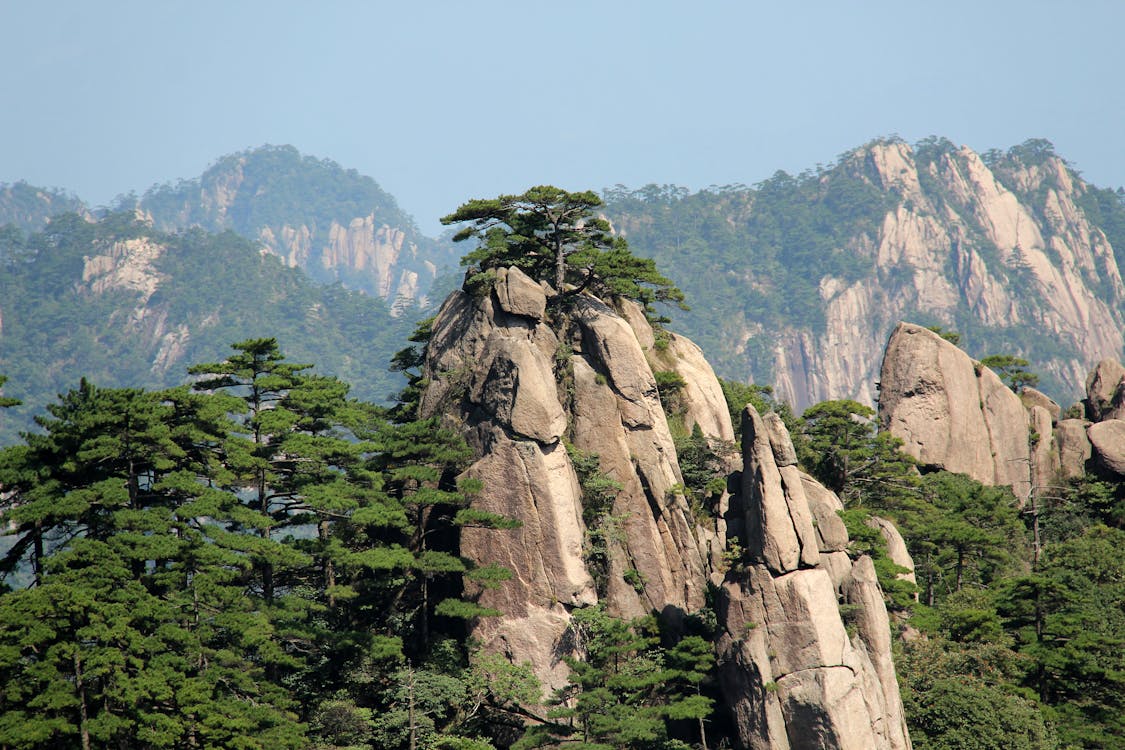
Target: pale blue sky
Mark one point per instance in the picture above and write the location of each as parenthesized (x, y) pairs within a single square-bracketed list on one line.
[(444, 101)]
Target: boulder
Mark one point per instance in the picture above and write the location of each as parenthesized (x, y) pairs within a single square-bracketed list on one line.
[(1108, 441), (1031, 397), (1104, 391), (1073, 445), (517, 294), (951, 412)]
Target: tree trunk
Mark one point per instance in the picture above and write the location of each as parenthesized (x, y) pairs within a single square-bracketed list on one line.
[(329, 568), (83, 717)]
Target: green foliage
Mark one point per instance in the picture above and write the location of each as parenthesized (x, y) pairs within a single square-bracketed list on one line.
[(1012, 370), (738, 395), (842, 449), (669, 383), (553, 235), (627, 690), (1069, 619), (213, 289), (950, 336), (703, 465), (599, 491), (248, 563)]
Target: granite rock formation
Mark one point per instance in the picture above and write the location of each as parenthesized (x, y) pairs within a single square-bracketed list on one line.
[(533, 383), (793, 673), (954, 414), (951, 412)]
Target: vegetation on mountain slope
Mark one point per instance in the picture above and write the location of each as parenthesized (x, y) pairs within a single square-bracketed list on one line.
[(78, 300), (760, 265)]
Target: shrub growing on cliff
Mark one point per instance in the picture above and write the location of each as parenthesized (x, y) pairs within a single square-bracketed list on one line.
[(1012, 370)]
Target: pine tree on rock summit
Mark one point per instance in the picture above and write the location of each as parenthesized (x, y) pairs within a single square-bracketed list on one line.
[(554, 235)]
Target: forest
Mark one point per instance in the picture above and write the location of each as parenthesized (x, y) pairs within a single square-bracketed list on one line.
[(256, 559)]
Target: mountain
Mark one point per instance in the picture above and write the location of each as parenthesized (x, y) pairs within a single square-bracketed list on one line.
[(124, 304), (332, 222), (29, 208), (799, 281), (584, 427)]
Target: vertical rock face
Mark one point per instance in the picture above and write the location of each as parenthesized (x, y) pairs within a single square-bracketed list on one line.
[(520, 387), (951, 412), (523, 378), (792, 674), (960, 234), (954, 414)]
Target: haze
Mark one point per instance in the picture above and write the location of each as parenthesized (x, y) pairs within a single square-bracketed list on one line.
[(444, 101)]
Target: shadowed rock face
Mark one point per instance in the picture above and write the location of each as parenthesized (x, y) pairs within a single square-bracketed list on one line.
[(522, 379), (792, 675)]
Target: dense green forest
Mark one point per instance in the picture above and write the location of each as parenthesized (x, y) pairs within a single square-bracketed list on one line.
[(258, 561), (208, 290)]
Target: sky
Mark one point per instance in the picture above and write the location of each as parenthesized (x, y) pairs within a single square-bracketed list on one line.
[(442, 101)]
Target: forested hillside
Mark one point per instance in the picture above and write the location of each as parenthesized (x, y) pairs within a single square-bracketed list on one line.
[(332, 222), (125, 305), (29, 208), (798, 281)]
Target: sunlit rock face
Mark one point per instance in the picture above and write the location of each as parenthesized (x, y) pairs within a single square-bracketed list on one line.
[(530, 382), (521, 387), (792, 673), (951, 412)]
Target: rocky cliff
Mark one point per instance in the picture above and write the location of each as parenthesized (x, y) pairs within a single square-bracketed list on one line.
[(809, 275), (335, 224), (796, 676), (953, 413), (538, 386)]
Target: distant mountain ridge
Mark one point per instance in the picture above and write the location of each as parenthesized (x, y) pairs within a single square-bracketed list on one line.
[(29, 208), (798, 281), (332, 222)]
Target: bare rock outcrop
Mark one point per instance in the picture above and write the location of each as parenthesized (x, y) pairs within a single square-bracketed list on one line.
[(790, 671), (1108, 442), (964, 240), (528, 394), (518, 387), (951, 412), (1032, 397), (1105, 391), (1073, 446)]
